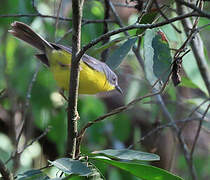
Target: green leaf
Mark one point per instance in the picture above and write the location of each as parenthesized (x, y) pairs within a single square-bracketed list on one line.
[(147, 19), (119, 54), (157, 57), (191, 68), (32, 175), (189, 63), (145, 172), (186, 82), (70, 166), (127, 154), (121, 123), (108, 45)]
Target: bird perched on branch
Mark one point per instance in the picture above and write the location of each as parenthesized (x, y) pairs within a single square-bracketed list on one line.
[(95, 76)]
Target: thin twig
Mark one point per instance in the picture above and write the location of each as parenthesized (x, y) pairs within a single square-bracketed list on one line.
[(57, 19), (130, 27), (34, 6), (6, 174), (2, 92), (195, 110), (118, 110), (165, 17), (199, 56), (27, 102), (26, 106), (198, 133), (197, 48), (35, 139), (124, 5), (194, 7), (87, 21), (14, 154), (169, 124)]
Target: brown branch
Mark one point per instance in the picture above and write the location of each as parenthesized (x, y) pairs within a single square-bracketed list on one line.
[(14, 154), (194, 7), (26, 107), (27, 103), (163, 126), (6, 174), (77, 6), (124, 5), (199, 56), (34, 6), (87, 21), (198, 132), (117, 111), (130, 27), (197, 48), (165, 17)]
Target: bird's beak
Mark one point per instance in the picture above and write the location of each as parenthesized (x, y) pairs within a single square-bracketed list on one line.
[(117, 87)]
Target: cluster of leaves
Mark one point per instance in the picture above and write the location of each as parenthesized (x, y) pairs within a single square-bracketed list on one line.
[(127, 160)]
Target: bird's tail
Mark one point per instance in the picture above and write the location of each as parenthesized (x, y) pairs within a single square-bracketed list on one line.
[(25, 33)]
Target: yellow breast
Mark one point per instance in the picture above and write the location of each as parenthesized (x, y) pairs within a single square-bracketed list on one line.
[(90, 81)]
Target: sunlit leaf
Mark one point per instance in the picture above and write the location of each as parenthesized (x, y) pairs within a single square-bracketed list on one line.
[(70, 166), (145, 172), (127, 154)]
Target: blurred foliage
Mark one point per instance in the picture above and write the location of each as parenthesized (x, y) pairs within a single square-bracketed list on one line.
[(48, 108)]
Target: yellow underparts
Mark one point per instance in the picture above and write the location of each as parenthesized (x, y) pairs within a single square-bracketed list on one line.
[(90, 81)]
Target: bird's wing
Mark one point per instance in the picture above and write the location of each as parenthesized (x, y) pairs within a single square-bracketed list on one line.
[(88, 60)]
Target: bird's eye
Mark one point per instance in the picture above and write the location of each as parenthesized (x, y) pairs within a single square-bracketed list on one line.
[(114, 79)]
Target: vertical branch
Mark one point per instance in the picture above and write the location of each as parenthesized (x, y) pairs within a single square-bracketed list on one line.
[(104, 54), (72, 114), (198, 133), (182, 143), (197, 47)]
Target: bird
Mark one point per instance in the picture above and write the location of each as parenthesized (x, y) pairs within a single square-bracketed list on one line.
[(95, 76)]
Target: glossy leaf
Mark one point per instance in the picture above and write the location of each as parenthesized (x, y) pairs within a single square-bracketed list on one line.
[(119, 54), (157, 57), (127, 154), (70, 166), (145, 172), (32, 175)]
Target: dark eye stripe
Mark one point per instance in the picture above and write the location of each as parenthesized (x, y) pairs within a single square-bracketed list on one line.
[(63, 65)]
